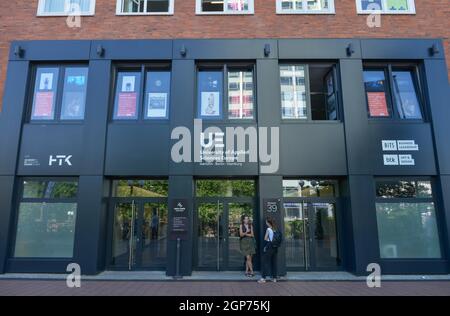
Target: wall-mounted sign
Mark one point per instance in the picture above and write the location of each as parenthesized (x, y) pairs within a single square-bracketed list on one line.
[(179, 227), (377, 104), (29, 161), (271, 206), (60, 160), (396, 146)]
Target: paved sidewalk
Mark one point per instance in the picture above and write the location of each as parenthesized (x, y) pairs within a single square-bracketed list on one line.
[(230, 288)]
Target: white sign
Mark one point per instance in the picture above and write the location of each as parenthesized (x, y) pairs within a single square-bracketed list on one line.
[(389, 145), (406, 160), (390, 160), (407, 145)]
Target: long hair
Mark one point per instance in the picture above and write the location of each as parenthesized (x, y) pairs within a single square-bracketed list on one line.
[(272, 222), (242, 223)]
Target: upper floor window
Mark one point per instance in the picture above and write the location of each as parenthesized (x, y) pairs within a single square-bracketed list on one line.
[(225, 7), (142, 92), (386, 6), (66, 7), (309, 92), (305, 6), (392, 92), (238, 84), (49, 104), (144, 7)]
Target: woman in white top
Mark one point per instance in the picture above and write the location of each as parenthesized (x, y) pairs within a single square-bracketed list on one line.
[(269, 253)]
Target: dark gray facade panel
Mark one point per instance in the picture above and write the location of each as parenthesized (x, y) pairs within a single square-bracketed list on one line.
[(400, 48), (439, 101), (424, 160), (357, 130), (182, 108), (52, 50), (318, 48), (132, 49), (313, 149), (363, 221), (443, 182), (40, 143), (95, 124), (91, 220), (268, 95), (11, 117), (6, 205), (238, 49), (137, 149)]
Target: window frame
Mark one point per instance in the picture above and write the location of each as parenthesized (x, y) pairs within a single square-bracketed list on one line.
[(119, 9), (411, 6), (279, 9), (391, 100), (337, 87), (199, 11), (42, 13), (225, 67), (20, 199), (417, 200), (142, 69), (59, 94)]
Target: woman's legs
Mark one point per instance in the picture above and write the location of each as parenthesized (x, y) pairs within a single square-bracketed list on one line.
[(249, 264)]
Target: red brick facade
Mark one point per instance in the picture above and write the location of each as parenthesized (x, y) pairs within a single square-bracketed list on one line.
[(18, 21)]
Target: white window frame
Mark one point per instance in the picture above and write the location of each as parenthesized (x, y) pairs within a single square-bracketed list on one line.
[(170, 12), (280, 10), (250, 11), (41, 12), (411, 6)]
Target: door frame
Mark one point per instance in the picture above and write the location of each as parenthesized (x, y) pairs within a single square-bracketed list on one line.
[(310, 264), (225, 201), (139, 202)]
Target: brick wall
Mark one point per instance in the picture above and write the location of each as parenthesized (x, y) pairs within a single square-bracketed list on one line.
[(18, 21)]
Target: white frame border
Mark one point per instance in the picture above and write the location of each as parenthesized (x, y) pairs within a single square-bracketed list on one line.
[(198, 9), (41, 5), (411, 5), (119, 10), (305, 11)]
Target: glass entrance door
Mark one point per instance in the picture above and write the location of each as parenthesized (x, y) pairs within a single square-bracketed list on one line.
[(311, 236), (218, 240), (139, 235)]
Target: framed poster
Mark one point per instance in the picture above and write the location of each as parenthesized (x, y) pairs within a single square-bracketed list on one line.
[(157, 105), (377, 104), (128, 83), (210, 104), (43, 105), (74, 94), (127, 96), (126, 107)]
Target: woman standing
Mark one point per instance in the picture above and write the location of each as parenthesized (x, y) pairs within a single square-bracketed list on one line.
[(247, 244), (270, 253)]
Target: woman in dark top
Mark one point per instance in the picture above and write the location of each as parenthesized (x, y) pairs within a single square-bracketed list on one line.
[(247, 244)]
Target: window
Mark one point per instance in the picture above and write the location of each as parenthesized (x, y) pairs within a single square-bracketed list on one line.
[(153, 104), (224, 7), (225, 188), (406, 220), (392, 92), (385, 6), (141, 188), (305, 7), (48, 104), (310, 188), (46, 219), (66, 7), (239, 87), (145, 7), (309, 92)]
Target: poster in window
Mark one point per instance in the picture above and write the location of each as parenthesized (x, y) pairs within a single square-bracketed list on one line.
[(127, 105), (210, 104), (377, 104), (128, 83), (46, 82), (157, 105), (73, 105), (43, 105)]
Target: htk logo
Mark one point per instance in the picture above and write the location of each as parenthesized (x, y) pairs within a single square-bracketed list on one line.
[(60, 160)]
